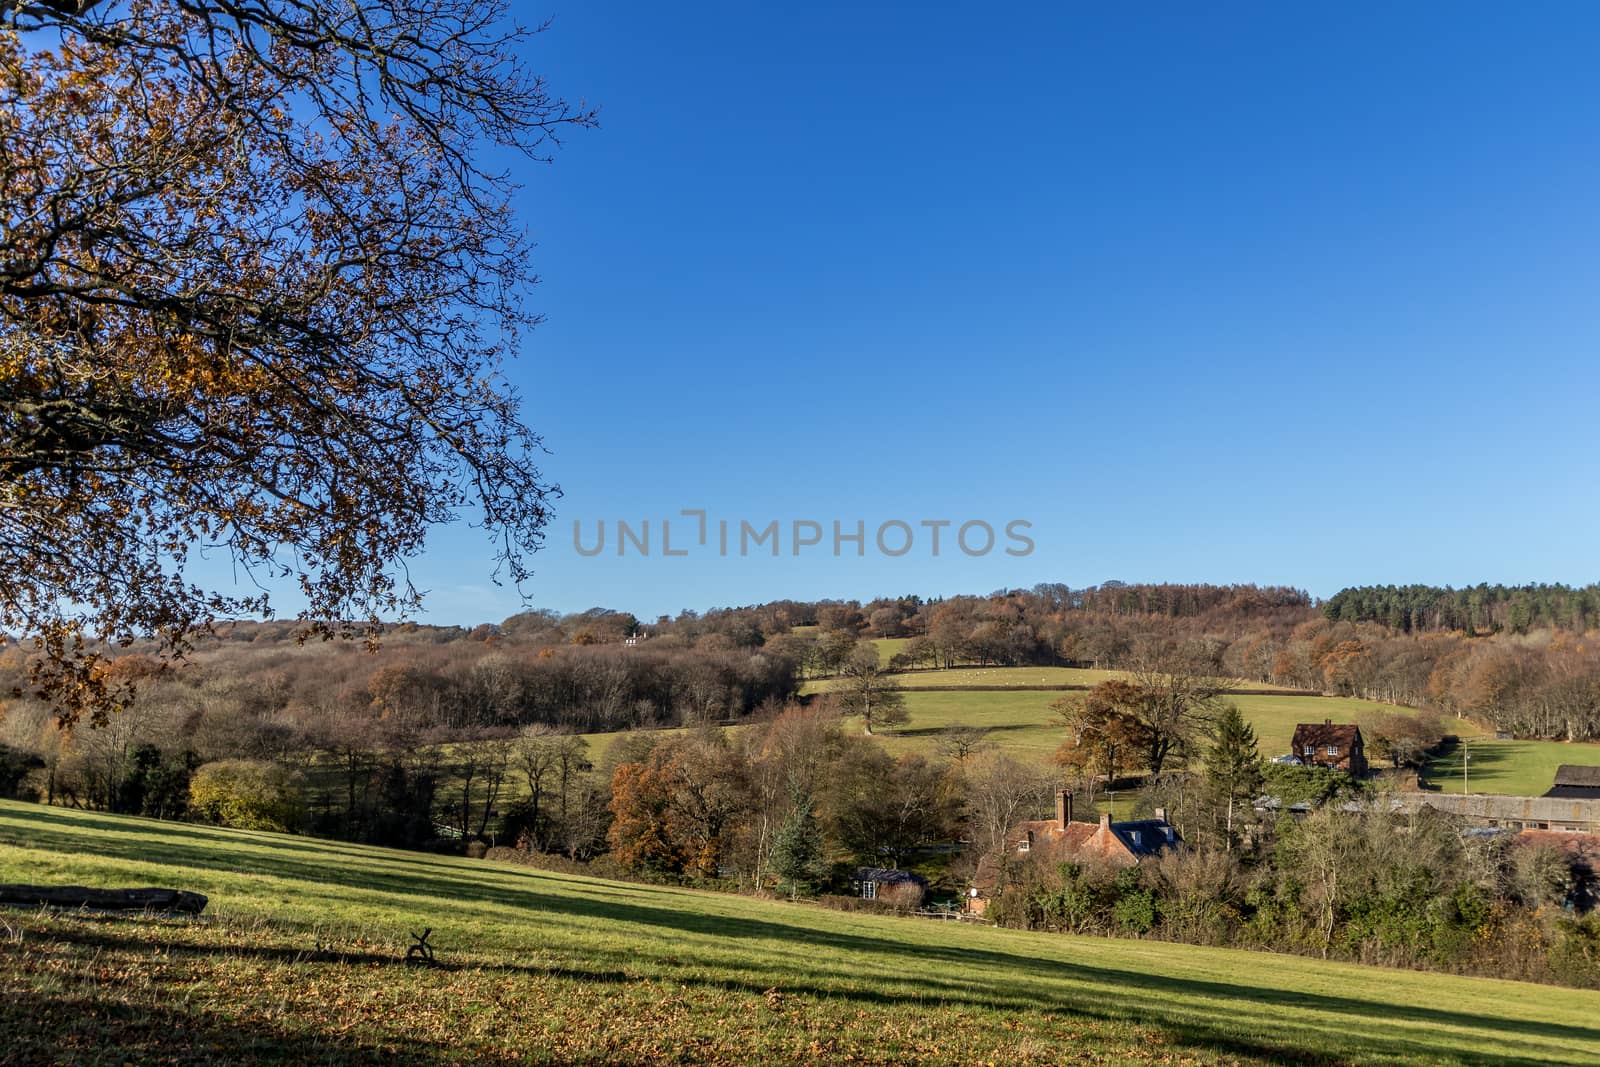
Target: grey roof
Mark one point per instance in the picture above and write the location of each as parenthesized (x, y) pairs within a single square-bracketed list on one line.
[(1576, 782), (1576, 774), (1146, 837), (887, 876)]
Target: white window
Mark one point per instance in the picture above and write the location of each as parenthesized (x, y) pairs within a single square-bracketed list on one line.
[(1333, 750), (869, 890)]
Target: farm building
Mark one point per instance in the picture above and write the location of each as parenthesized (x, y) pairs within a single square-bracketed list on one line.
[(1331, 744), (887, 883), (1576, 783), (1061, 839), (1568, 814)]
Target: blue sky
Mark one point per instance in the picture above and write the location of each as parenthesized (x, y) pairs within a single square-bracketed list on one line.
[(1253, 292)]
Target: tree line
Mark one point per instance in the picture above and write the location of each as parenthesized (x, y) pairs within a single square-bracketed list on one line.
[(605, 669), (1482, 608)]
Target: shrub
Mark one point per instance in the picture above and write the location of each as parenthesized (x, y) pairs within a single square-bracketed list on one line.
[(1135, 912), (881, 905), (902, 896), (247, 795)]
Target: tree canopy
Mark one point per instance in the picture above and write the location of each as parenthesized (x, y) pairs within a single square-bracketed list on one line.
[(257, 286)]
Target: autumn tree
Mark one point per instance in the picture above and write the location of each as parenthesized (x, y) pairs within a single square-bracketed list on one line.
[(1403, 739), (869, 690), (257, 286), (1106, 732), (641, 834), (676, 810), (1180, 685)]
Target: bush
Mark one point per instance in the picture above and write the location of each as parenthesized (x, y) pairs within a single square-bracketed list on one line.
[(902, 896), (248, 795), (1135, 912)]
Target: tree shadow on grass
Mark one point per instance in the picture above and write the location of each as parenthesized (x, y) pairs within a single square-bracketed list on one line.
[(1135, 1008), (124, 825), (940, 731), (105, 1028), (949, 974)]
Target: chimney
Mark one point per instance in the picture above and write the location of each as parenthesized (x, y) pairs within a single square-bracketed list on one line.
[(1161, 814), (1063, 808), (1327, 722), (1105, 821)]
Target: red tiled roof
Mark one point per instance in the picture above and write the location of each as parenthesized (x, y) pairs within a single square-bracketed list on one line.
[(1343, 734)]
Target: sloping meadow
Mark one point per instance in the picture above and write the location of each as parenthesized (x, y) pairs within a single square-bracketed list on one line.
[(298, 959)]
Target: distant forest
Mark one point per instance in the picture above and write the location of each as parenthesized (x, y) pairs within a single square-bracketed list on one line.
[(1525, 660), (1518, 658), (1479, 609)]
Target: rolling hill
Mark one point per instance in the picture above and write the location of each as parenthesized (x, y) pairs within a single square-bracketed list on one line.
[(297, 961)]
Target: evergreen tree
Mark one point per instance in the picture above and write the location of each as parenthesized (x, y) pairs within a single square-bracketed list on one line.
[(797, 851), (1233, 771)]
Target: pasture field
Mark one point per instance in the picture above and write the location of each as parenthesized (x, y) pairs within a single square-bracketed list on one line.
[(297, 961), (1520, 768), (1023, 721), (889, 647), (1275, 717), (1007, 678)]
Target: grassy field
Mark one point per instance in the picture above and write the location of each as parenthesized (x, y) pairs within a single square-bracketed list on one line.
[(1520, 768), (296, 962), (1023, 722), (889, 647), (1274, 717), (1003, 677), (984, 676)]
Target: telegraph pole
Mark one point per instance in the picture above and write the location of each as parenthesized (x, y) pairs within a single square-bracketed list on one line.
[(1466, 757)]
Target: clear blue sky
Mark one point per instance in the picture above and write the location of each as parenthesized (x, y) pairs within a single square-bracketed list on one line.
[(1234, 293)]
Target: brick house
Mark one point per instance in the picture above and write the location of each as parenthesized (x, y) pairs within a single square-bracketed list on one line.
[(1119, 844), (1331, 744)]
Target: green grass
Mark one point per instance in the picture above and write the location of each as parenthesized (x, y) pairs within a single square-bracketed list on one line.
[(296, 963), (1274, 717), (1519, 768), (1003, 677), (889, 647), (985, 676), (1023, 722)]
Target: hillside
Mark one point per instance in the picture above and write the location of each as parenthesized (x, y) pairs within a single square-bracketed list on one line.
[(295, 963)]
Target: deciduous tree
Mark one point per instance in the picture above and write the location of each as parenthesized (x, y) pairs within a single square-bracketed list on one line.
[(256, 290), (870, 691), (1106, 733)]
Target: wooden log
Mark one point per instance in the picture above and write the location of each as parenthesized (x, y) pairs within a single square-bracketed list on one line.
[(77, 896)]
